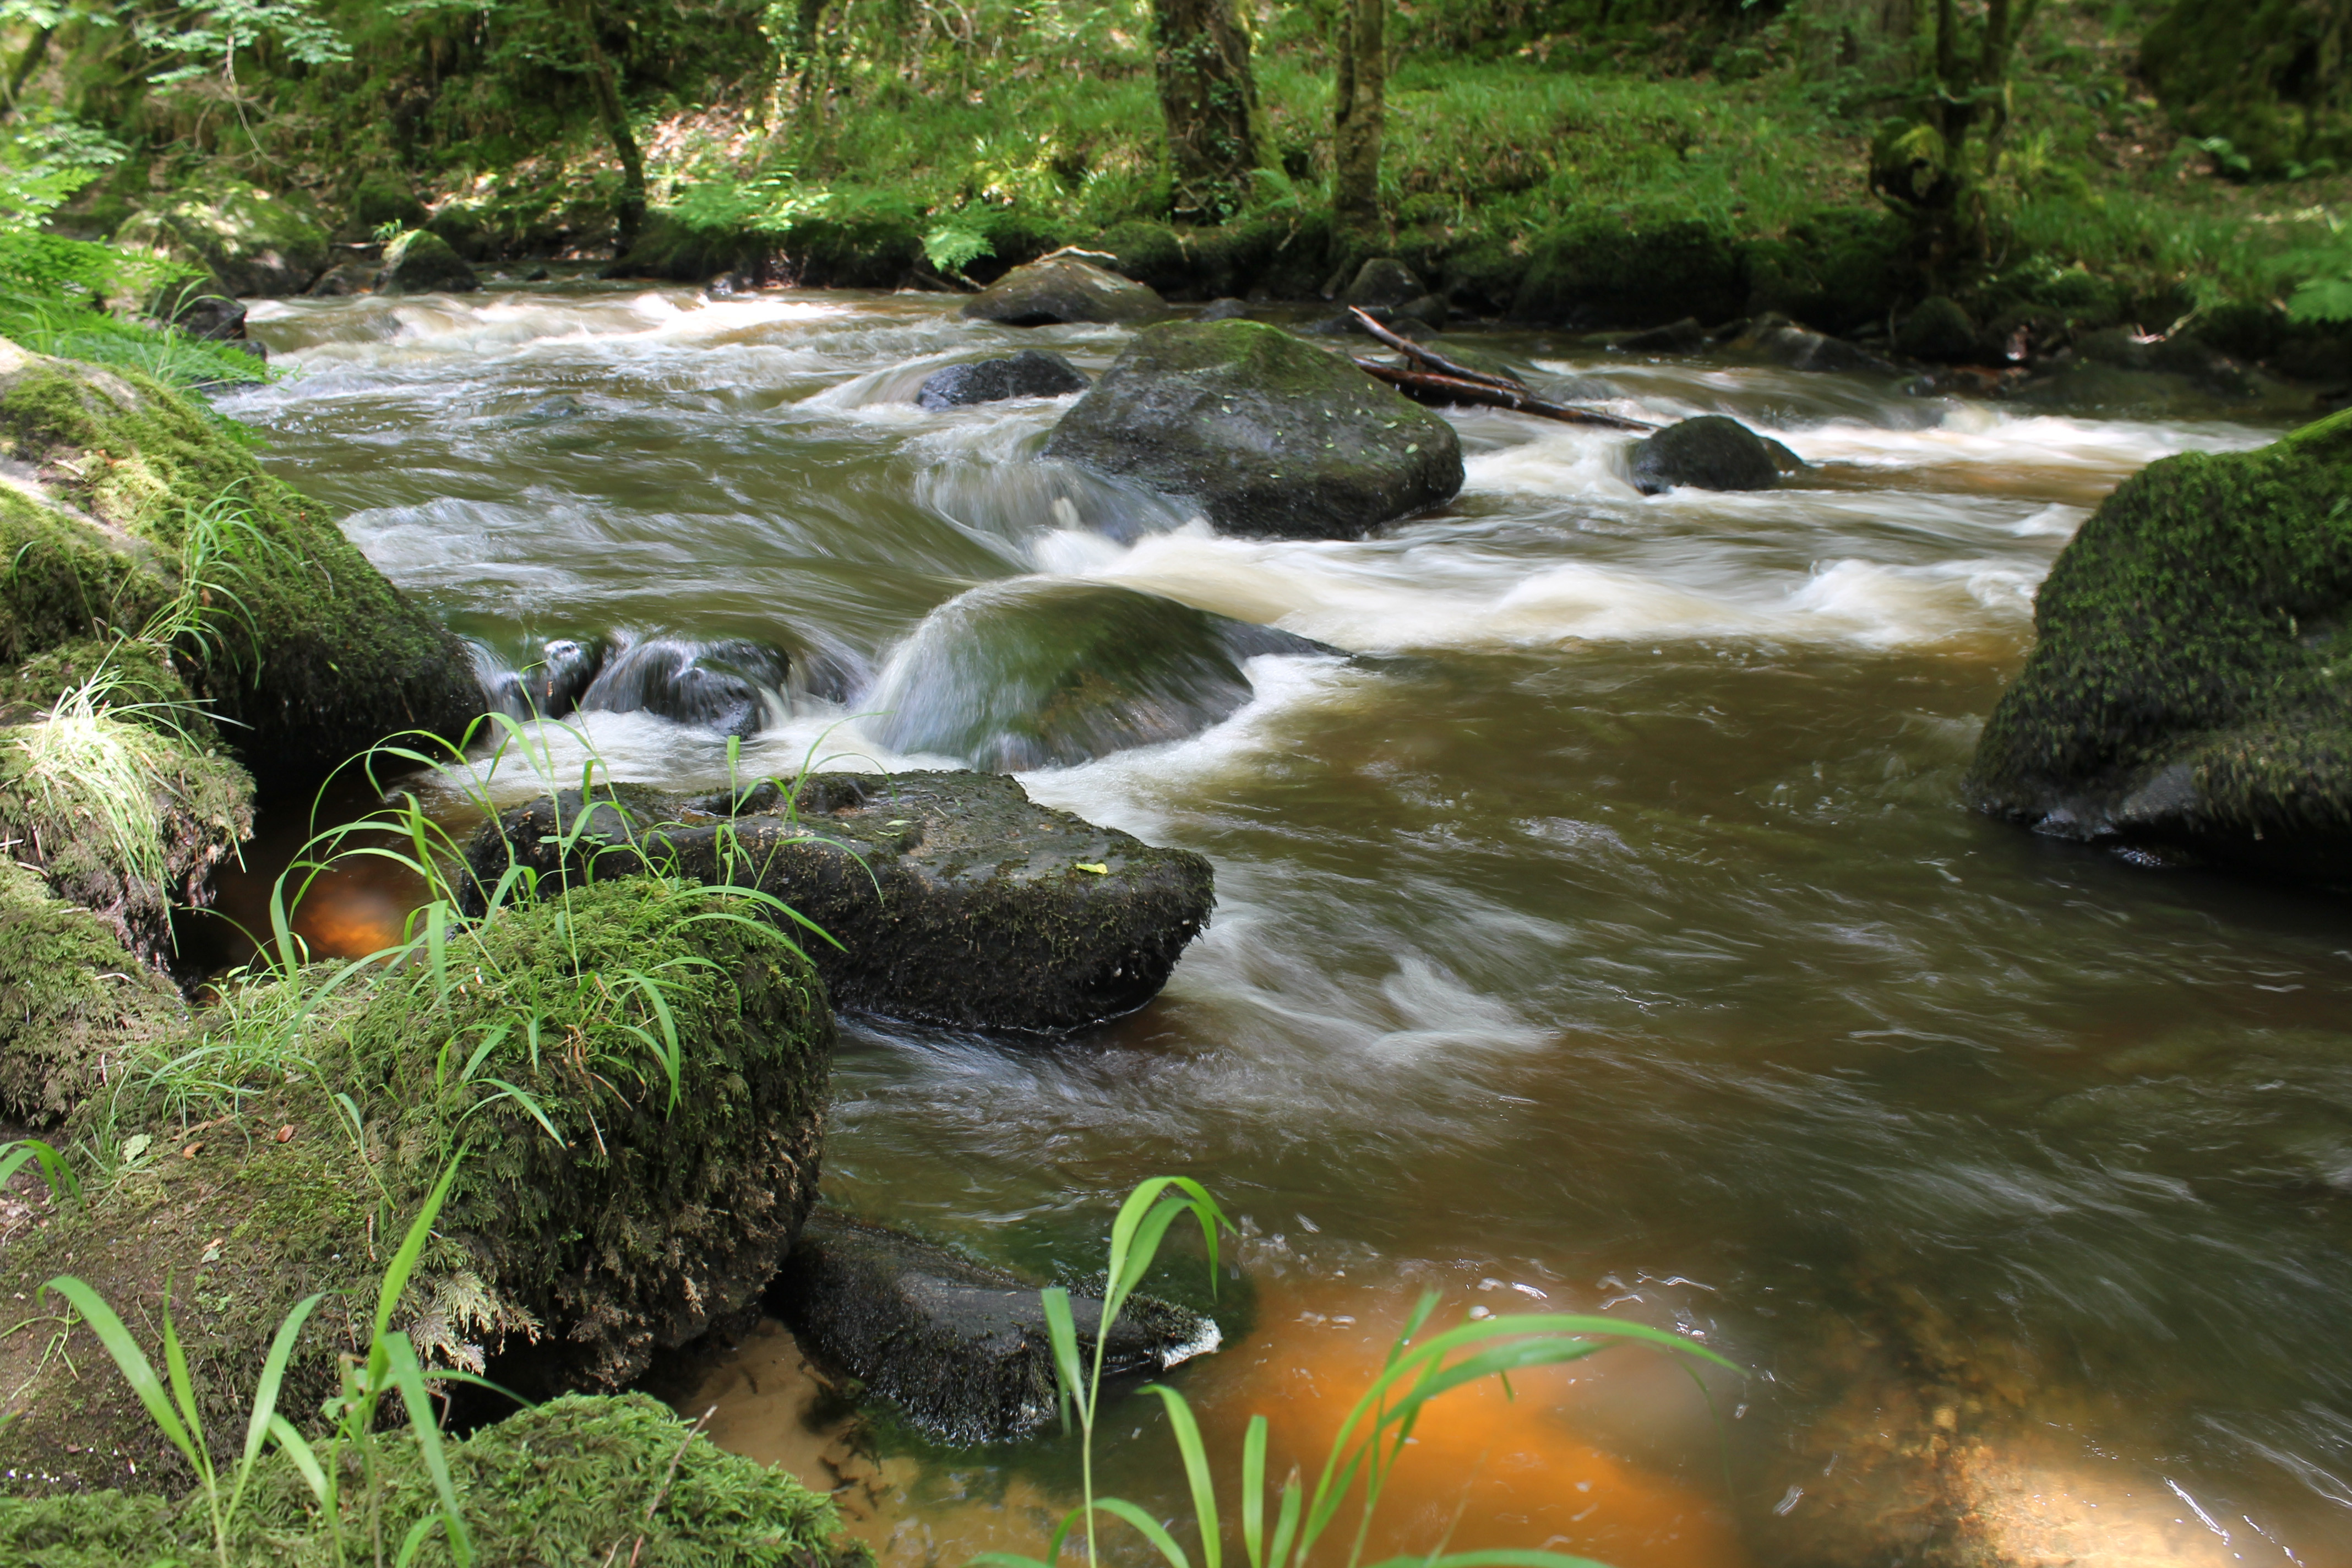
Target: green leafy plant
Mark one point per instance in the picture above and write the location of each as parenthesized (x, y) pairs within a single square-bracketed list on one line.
[(950, 247), (42, 1156), (1370, 1441)]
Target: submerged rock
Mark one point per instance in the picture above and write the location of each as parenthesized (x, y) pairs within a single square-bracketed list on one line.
[(1064, 288), (1040, 672), (655, 1209), (961, 1349), (250, 242), (323, 659), (1029, 373), (1711, 452), (723, 685), (2185, 689), (421, 262), (953, 898), (1271, 436)]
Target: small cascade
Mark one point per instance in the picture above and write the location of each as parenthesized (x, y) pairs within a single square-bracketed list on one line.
[(733, 685)]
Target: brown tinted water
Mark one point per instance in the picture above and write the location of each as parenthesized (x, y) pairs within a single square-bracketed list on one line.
[(1608, 934)]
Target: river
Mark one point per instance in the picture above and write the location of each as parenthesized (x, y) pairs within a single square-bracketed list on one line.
[(1606, 934)]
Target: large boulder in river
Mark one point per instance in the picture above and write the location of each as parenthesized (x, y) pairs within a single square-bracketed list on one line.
[(1064, 288), (627, 1190), (1712, 452), (250, 242), (1039, 672), (1029, 373), (421, 262), (949, 898), (961, 1349), (134, 503), (1268, 434), (2187, 688)]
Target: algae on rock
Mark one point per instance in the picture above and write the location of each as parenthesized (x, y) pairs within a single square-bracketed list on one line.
[(73, 1002), (2189, 684)]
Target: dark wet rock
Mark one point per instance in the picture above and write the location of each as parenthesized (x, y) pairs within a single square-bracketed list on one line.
[(2185, 689), (250, 242), (1782, 341), (343, 279), (421, 262), (324, 659), (1223, 311), (722, 685), (1938, 328), (550, 686), (1064, 288), (536, 275), (647, 1220), (954, 897), (383, 197), (1711, 452), (1268, 434), (1029, 373), (1601, 274), (1384, 280), (1041, 672), (961, 1349), (214, 318), (1683, 337)]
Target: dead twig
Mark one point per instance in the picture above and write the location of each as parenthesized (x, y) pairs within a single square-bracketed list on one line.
[(1453, 389), (1431, 357)]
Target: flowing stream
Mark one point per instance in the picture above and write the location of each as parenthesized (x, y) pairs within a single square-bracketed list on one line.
[(1605, 933)]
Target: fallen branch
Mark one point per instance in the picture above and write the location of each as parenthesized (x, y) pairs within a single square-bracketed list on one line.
[(1486, 395), (1431, 357)]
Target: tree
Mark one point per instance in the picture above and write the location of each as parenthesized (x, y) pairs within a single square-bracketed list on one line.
[(1933, 168), (629, 211), (1358, 118), (1200, 55)]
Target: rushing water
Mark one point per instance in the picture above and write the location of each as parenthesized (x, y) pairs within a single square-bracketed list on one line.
[(1606, 934)]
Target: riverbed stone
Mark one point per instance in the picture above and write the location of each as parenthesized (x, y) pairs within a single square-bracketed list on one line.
[(720, 685), (959, 1348), (1384, 280), (1029, 373), (1045, 672), (655, 1211), (2184, 689), (1271, 436), (1712, 452), (248, 241), (949, 898), (421, 262), (1064, 288), (321, 658)]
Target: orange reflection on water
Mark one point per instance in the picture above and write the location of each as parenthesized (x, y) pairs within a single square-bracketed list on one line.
[(1485, 1469)]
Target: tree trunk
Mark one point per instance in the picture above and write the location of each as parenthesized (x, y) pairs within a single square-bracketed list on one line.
[(630, 210), (1200, 54), (1359, 114), (27, 64)]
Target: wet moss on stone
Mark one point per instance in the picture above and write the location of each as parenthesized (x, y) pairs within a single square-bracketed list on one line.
[(73, 1002), (250, 241), (1603, 273), (337, 658), (2193, 679)]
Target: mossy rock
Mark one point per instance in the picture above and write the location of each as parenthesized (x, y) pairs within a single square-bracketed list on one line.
[(132, 861), (1483, 277), (73, 1000), (251, 242), (947, 897), (1606, 273), (1269, 435), (582, 1479), (1840, 268), (421, 262), (382, 197), (1151, 253), (1064, 288), (326, 659), (2186, 686), (868, 241), (1938, 330), (674, 252), (649, 1223)]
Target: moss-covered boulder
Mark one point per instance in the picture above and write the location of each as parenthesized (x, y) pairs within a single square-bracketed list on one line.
[(312, 657), (75, 1004), (582, 1479), (952, 897), (1939, 329), (251, 242), (421, 262), (1268, 434), (382, 197), (636, 1170), (1039, 672), (1064, 288), (1604, 273), (2186, 685)]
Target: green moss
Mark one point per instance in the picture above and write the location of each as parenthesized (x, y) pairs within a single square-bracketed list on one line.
[(249, 241), (1603, 272), (337, 658), (73, 1001), (92, 1530), (2194, 661), (1836, 269), (382, 197), (2262, 74)]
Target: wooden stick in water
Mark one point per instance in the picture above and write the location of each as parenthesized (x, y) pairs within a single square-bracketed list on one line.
[(1485, 395)]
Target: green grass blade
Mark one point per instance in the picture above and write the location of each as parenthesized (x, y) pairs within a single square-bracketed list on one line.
[(265, 1392), (183, 1387), (1254, 1491), (1150, 1528), (133, 1361), (1069, 1371), (1286, 1524), (411, 1246), (305, 1458), (410, 1379), (1196, 1471)]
